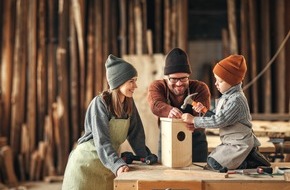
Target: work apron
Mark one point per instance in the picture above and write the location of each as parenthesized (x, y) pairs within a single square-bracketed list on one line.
[(85, 171)]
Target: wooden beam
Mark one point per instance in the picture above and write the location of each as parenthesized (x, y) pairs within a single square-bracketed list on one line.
[(265, 56), (7, 41), (280, 83), (232, 26), (253, 50)]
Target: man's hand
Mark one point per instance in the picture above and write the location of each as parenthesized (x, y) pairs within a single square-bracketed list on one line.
[(187, 118), (175, 113), (122, 169)]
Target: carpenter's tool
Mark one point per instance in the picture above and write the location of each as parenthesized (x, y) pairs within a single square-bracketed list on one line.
[(188, 100), (206, 167), (258, 170), (129, 157)]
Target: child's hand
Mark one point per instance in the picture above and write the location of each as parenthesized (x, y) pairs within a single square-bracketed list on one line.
[(190, 127), (187, 118), (198, 107)]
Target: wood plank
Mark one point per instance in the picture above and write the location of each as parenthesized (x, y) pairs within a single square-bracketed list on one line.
[(167, 30), (158, 21), (100, 69), (253, 59), (244, 37), (32, 82), (75, 80), (265, 56), (41, 68), (7, 43), (232, 25), (19, 78), (182, 23), (138, 28), (280, 73)]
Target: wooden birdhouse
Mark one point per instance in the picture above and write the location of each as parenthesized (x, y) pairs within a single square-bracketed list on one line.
[(176, 143)]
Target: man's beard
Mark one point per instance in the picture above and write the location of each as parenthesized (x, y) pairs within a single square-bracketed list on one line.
[(179, 92)]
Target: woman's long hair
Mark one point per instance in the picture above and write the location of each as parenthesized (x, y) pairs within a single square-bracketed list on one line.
[(113, 101)]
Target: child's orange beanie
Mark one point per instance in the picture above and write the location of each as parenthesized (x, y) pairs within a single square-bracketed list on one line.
[(232, 69)]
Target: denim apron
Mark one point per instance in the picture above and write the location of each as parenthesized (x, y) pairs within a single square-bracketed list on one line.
[(85, 171)]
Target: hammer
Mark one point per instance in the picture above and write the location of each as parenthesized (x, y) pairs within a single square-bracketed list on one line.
[(188, 100)]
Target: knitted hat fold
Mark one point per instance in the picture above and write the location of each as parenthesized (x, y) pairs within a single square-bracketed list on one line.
[(118, 71), (176, 61), (232, 69)]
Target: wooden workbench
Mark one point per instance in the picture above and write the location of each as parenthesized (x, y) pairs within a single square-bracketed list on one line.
[(158, 177)]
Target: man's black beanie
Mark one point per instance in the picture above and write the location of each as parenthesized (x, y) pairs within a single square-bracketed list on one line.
[(176, 61)]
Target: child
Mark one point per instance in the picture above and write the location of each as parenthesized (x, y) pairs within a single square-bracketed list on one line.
[(238, 148), (111, 118)]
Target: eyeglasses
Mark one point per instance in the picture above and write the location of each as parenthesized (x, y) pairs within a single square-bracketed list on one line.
[(175, 80)]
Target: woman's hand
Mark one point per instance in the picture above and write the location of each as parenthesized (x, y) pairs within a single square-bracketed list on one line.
[(122, 169)]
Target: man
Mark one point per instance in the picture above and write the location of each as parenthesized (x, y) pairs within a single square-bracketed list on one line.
[(166, 96)]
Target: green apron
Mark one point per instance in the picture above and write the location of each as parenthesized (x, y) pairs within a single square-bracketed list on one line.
[(85, 171)]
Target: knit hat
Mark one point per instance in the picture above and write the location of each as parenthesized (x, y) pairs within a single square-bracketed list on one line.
[(118, 71), (176, 61), (232, 69)]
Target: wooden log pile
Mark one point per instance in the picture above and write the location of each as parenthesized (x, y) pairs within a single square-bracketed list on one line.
[(52, 56)]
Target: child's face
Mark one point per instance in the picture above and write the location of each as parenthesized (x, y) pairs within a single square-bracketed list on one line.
[(221, 85)]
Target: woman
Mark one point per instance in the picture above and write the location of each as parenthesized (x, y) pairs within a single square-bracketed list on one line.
[(111, 118)]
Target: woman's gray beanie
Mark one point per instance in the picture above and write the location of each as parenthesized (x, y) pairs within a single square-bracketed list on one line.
[(118, 71)]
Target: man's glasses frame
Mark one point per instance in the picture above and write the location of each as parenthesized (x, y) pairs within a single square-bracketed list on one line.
[(175, 80)]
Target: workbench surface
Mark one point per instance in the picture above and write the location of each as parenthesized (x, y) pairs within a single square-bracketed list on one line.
[(157, 177)]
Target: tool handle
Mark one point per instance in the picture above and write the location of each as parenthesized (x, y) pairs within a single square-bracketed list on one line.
[(204, 109)]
